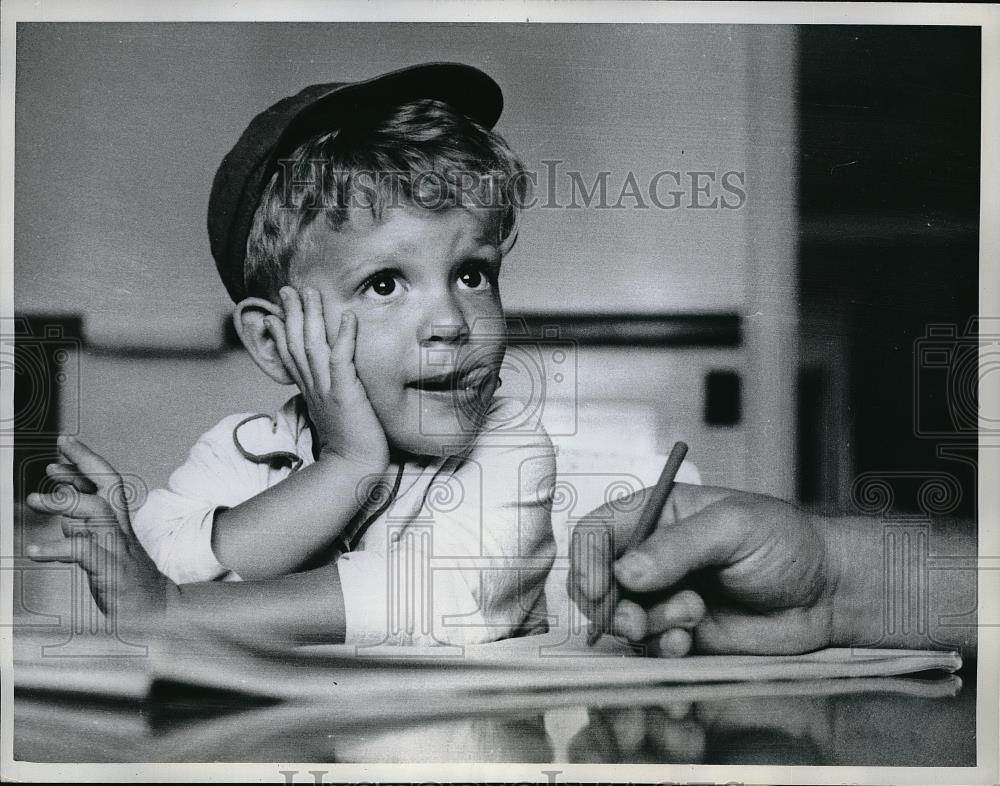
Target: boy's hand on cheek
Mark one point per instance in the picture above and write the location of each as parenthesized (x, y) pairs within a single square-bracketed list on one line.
[(325, 374)]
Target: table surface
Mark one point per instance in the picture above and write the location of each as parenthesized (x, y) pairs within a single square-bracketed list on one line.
[(99, 709)]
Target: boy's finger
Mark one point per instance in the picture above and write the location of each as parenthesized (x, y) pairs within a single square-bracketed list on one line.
[(293, 332), (685, 609), (51, 551), (69, 475), (92, 465), (72, 504), (81, 549), (90, 555), (314, 330), (105, 477), (277, 330), (331, 320), (106, 527), (342, 351)]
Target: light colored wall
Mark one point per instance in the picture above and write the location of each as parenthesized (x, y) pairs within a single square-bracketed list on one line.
[(120, 129)]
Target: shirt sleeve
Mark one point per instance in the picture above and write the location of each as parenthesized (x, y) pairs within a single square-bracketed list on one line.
[(470, 567), (175, 523)]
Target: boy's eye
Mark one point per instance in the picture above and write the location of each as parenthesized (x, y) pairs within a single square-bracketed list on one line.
[(381, 284), (475, 278)]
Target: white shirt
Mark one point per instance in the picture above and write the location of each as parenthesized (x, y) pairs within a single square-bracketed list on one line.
[(459, 557)]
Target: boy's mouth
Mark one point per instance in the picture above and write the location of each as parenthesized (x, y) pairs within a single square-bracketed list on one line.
[(470, 381)]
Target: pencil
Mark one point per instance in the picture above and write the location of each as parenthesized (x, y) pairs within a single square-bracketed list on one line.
[(650, 515)]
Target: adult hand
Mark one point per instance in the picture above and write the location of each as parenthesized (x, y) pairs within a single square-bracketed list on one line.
[(757, 729), (759, 576), (667, 734), (319, 356), (92, 498)]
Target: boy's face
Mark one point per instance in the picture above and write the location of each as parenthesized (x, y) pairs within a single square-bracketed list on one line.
[(430, 338)]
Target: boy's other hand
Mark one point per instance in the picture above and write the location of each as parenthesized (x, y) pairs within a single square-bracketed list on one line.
[(320, 359), (763, 569), (92, 499)]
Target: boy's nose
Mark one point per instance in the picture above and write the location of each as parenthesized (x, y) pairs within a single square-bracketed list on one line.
[(445, 324), (453, 333)]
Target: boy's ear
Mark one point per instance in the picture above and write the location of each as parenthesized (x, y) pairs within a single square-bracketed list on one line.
[(248, 319)]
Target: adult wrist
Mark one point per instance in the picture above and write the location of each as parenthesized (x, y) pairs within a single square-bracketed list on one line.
[(855, 567)]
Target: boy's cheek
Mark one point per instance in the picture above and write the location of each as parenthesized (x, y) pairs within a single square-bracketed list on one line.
[(377, 359), (486, 319)]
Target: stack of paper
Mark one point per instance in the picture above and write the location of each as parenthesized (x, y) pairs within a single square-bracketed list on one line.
[(502, 672)]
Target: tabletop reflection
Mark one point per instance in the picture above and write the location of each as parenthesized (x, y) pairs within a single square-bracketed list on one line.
[(910, 721)]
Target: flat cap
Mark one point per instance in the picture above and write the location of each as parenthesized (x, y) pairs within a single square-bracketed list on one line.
[(279, 129)]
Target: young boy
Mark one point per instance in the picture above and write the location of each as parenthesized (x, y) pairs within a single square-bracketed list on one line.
[(360, 230)]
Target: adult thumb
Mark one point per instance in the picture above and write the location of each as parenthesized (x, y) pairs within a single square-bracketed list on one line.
[(709, 538)]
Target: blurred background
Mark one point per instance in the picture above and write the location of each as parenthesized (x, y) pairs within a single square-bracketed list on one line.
[(809, 334)]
